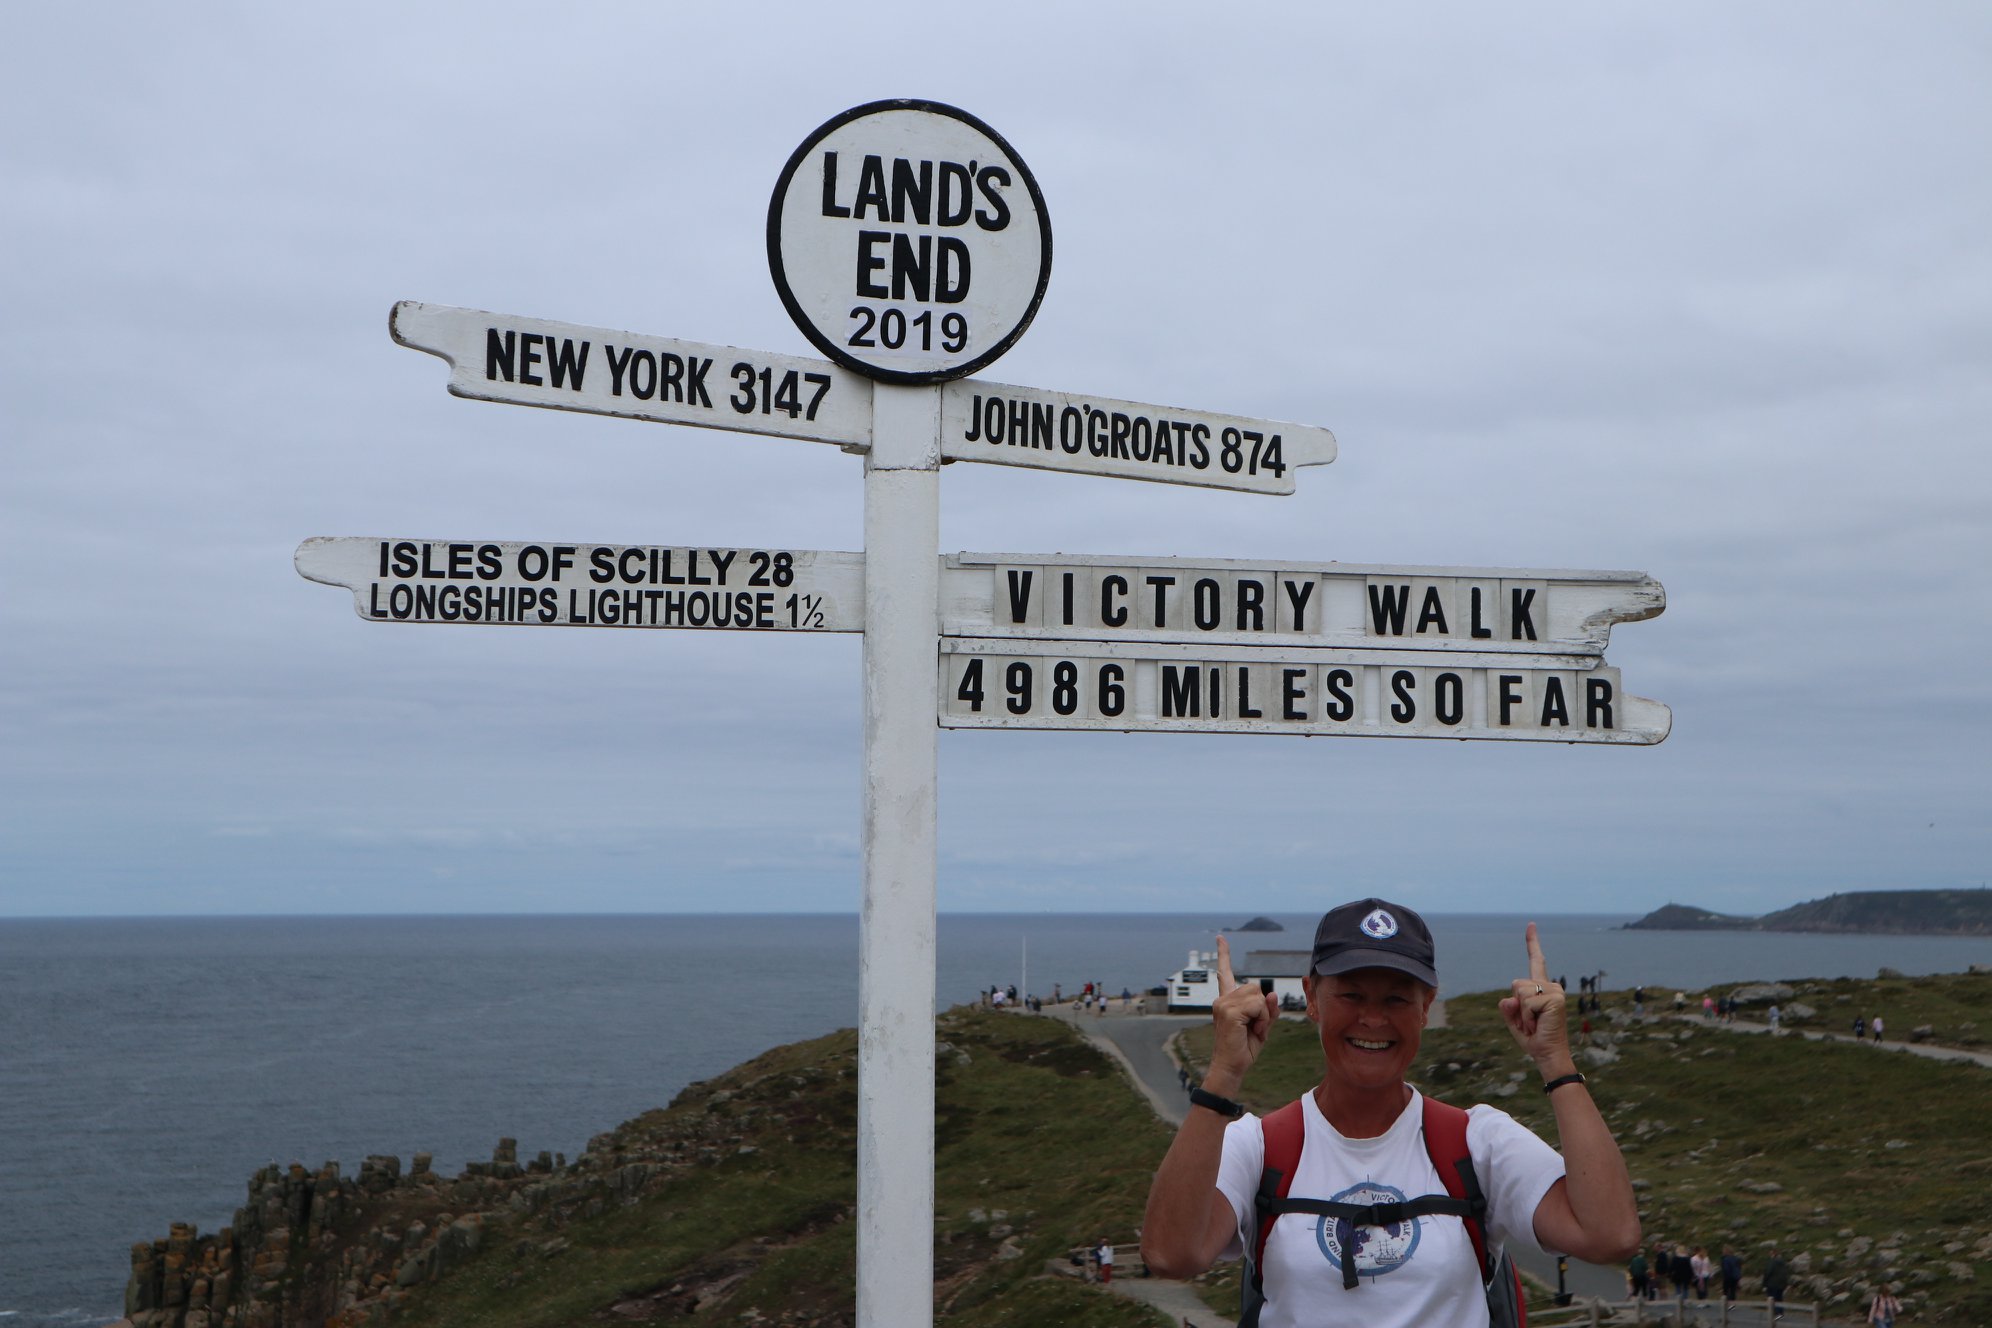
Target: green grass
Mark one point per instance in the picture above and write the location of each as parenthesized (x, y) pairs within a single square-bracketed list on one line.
[(1035, 1132), (1745, 1139)]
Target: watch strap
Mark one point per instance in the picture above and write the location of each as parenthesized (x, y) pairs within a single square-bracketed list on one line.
[(1223, 1106)]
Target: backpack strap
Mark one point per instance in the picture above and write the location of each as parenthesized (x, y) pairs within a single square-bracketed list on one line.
[(1284, 1131), (1445, 1143)]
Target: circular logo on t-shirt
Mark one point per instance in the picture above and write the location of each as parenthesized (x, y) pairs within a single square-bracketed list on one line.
[(1378, 1249), (1378, 925)]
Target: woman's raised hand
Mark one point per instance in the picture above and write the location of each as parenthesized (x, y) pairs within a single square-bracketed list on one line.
[(1534, 1012), (1241, 1018)]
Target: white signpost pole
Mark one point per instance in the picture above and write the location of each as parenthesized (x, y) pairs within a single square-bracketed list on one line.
[(896, 945), (910, 244)]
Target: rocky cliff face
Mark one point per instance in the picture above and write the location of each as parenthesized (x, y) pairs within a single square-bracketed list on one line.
[(323, 1248), (314, 1248)]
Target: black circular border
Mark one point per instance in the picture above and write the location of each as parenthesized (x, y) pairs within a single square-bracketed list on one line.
[(828, 345)]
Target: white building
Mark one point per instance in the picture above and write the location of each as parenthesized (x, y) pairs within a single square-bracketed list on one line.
[(1194, 986)]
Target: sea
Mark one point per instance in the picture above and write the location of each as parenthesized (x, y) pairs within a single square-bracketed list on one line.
[(149, 1065)]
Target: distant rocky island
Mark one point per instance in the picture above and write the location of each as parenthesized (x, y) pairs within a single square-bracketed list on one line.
[(1258, 924), (1864, 912)]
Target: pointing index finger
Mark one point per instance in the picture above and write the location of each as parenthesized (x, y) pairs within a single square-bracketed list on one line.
[(1225, 982), (1538, 968)]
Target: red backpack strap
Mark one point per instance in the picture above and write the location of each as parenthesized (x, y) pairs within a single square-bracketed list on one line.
[(1445, 1142), (1284, 1131)]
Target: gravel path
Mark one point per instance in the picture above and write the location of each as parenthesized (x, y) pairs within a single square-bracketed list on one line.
[(1925, 1049), (1174, 1299)]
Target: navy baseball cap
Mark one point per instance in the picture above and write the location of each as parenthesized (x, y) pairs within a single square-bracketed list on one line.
[(1374, 933)]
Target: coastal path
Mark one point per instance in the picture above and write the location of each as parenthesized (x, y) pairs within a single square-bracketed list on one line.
[(1926, 1049)]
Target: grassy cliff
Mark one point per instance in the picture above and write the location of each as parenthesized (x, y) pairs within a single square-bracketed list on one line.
[(733, 1205), (1039, 1148)]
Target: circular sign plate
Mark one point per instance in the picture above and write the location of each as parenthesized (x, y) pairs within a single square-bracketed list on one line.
[(909, 242)]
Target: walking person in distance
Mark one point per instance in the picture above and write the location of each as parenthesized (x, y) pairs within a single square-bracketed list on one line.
[(1638, 1274), (1777, 1276), (1732, 1272)]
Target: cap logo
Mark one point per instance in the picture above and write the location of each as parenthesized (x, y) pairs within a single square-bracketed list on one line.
[(1378, 926)]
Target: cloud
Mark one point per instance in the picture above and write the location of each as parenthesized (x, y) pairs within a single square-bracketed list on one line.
[(1616, 290)]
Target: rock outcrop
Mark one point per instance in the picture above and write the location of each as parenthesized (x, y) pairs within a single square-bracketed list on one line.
[(314, 1248), (321, 1247)]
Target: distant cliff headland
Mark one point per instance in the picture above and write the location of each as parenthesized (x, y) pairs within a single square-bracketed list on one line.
[(1866, 912)]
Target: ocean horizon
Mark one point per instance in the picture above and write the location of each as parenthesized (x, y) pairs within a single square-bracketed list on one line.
[(148, 1066)]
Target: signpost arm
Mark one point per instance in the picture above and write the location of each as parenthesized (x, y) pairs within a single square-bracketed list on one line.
[(896, 941)]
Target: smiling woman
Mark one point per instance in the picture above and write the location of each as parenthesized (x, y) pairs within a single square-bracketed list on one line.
[(1417, 1199)]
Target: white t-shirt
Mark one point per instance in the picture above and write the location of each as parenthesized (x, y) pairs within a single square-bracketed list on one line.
[(1414, 1274)]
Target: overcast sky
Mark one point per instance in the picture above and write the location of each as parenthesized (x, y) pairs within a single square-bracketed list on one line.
[(1699, 290)]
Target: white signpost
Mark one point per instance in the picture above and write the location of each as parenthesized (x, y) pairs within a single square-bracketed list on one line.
[(1212, 600), (551, 584), (993, 684), (1023, 426), (911, 245), (534, 362), (909, 242)]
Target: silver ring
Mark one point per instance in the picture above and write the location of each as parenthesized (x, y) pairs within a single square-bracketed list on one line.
[(1538, 989)]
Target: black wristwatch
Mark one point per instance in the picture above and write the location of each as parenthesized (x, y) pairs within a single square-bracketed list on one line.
[(1223, 1106)]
